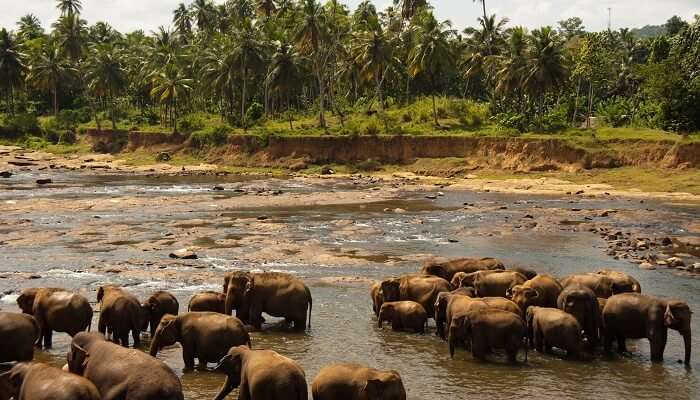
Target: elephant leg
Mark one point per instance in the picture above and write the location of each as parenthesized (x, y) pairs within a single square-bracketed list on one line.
[(153, 325), (118, 392), (136, 334), (539, 341), (188, 354), (255, 316), (607, 342), (479, 348), (124, 339), (48, 335), (657, 342), (621, 344), (102, 323)]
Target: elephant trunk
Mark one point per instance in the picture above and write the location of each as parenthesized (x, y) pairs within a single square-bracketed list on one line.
[(687, 339), (228, 308), (155, 347), (451, 340), (379, 321)]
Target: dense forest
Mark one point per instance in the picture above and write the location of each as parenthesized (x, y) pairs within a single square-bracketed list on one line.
[(248, 62)]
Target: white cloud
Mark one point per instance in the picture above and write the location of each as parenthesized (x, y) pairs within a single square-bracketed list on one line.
[(128, 15)]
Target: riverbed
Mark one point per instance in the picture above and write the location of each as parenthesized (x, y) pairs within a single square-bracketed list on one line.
[(85, 229)]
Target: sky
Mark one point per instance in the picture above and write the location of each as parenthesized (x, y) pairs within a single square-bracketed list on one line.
[(128, 15)]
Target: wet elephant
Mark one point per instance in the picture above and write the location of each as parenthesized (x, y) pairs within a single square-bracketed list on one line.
[(404, 316), (375, 293), (447, 269), (206, 336), (542, 290), (56, 310), (497, 284), (18, 334), (120, 314), (637, 316), (208, 301), (422, 289), (581, 302), (120, 373), (601, 285), (551, 327), (449, 304), (486, 330), (275, 293), (622, 282), (357, 382), (261, 375), (155, 307), (36, 381)]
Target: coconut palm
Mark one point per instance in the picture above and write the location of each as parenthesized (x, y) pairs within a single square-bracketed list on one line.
[(11, 66), (266, 8), (48, 69), (310, 37), (219, 71), (374, 51), (546, 68), (169, 87), (409, 8), (433, 54), (250, 55), (483, 4), (29, 27), (182, 20), (70, 30), (286, 74), (205, 15), (512, 63), (106, 76), (69, 7)]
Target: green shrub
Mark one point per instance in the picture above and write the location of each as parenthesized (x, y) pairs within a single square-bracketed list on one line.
[(191, 123), (215, 136), (616, 111), (468, 113), (254, 112), (22, 124), (68, 119), (372, 128), (513, 120)]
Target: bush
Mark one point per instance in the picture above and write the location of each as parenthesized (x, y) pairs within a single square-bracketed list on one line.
[(215, 136), (68, 119), (191, 123), (555, 120), (468, 113), (513, 120), (254, 112), (372, 128), (368, 165), (616, 111), (22, 124)]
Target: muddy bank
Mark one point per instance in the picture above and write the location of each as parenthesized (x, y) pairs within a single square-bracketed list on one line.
[(524, 154)]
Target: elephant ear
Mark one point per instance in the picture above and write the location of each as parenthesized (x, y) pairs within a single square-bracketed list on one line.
[(100, 293), (7, 388), (229, 364), (374, 388), (77, 359)]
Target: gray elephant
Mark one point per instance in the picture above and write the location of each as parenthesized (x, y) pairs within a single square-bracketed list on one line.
[(120, 373), (542, 290), (622, 282), (56, 310), (275, 293), (375, 293), (208, 301), (452, 303), (486, 330), (581, 302), (447, 269), (637, 316), (18, 333), (120, 314), (202, 335), (551, 327), (404, 316), (261, 375), (155, 307), (357, 382), (422, 289), (36, 381), (494, 284), (601, 285)]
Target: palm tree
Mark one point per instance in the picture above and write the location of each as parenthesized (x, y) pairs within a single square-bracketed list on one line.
[(512, 64), (29, 27), (286, 74), (433, 55), (483, 4), (266, 8), (169, 86), (310, 38), (409, 8), (182, 20), (11, 66), (545, 69), (70, 30), (375, 53), (204, 14), (48, 69), (69, 7), (219, 71), (250, 55), (106, 76)]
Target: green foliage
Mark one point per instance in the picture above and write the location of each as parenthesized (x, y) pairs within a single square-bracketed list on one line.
[(254, 113), (21, 124), (215, 136), (616, 111), (191, 123)]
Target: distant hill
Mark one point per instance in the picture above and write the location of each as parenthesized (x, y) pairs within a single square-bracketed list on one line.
[(649, 31)]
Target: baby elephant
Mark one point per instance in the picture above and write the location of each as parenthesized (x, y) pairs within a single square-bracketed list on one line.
[(357, 382), (403, 315), (552, 327), (261, 375), (18, 333), (36, 381), (203, 335), (488, 329), (120, 313), (208, 301), (157, 305)]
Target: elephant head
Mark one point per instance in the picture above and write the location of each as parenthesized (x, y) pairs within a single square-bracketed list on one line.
[(236, 285), (386, 313), (147, 309), (78, 359), (167, 334), (232, 365), (11, 381), (25, 301), (527, 272), (459, 331), (523, 296), (391, 289), (385, 386), (436, 270), (456, 281), (677, 316)]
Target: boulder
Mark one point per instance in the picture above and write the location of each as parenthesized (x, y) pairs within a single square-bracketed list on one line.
[(647, 266), (45, 181), (184, 254), (675, 262), (5, 174)]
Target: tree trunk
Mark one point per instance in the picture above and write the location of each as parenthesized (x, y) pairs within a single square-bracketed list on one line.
[(381, 103), (111, 112), (289, 112), (483, 4), (174, 115), (437, 123), (578, 89), (590, 104), (243, 74), (321, 94), (55, 100)]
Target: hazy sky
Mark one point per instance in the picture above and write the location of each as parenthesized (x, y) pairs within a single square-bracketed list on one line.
[(127, 15)]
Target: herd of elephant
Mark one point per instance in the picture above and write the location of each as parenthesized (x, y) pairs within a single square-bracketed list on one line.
[(479, 304), (102, 366)]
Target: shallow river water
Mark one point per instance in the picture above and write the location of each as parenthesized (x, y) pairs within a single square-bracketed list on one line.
[(343, 327)]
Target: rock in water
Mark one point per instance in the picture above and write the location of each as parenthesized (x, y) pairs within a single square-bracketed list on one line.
[(184, 254), (43, 181), (5, 174), (646, 265)]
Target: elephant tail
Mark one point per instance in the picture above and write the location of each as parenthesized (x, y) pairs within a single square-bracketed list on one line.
[(311, 304)]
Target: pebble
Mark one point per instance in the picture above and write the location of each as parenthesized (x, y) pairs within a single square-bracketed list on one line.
[(675, 262), (430, 196), (262, 218), (218, 188), (184, 254), (647, 266)]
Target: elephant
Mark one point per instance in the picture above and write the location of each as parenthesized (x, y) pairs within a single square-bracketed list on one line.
[(120, 373), (422, 289), (18, 334), (208, 301), (636, 316), (601, 285), (357, 382), (377, 298), (581, 302), (155, 307), (36, 381), (542, 290), (275, 293), (120, 313), (447, 269), (203, 335), (529, 273), (261, 375), (56, 310), (448, 304), (494, 284), (551, 327), (404, 315), (488, 329), (622, 282)]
